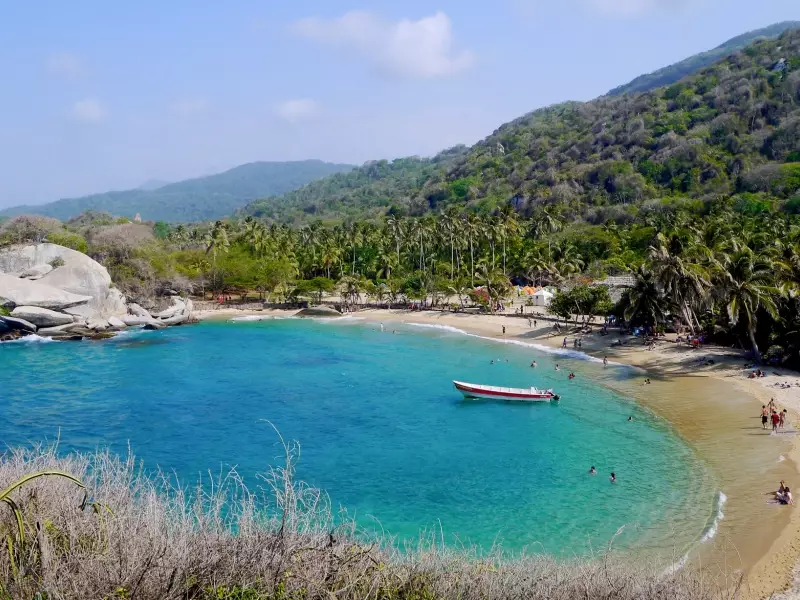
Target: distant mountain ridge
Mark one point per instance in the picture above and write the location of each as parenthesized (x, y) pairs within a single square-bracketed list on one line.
[(729, 130), (673, 73), (199, 199)]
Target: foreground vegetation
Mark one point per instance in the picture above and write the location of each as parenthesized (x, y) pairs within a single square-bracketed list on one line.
[(127, 536)]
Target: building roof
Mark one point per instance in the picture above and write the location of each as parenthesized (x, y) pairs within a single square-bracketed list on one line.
[(617, 281)]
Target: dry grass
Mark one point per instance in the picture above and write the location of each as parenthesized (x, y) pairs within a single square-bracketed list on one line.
[(223, 541)]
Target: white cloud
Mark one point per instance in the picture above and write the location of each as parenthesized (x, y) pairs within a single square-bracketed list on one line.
[(89, 110), (65, 64), (297, 110), (634, 8), (405, 48), (192, 106)]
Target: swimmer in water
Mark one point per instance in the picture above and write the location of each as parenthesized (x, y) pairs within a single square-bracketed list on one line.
[(556, 367), (534, 365), (592, 471), (381, 326), (630, 419), (605, 361), (394, 331), (613, 478)]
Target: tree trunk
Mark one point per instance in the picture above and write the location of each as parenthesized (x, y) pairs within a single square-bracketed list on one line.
[(472, 262), (751, 332)]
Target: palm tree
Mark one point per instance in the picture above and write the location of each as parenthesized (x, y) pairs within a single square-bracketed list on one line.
[(216, 241), (645, 299), (747, 283), (683, 280)]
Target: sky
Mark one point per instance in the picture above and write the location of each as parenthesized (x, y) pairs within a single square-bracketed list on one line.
[(98, 95)]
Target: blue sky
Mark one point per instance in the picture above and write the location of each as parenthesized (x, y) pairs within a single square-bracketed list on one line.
[(106, 95)]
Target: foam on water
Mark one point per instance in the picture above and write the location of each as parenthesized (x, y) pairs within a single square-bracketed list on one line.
[(249, 318), (30, 339), (716, 517), (565, 352), (340, 320)]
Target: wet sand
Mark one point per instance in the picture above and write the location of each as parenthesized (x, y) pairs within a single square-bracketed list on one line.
[(715, 408)]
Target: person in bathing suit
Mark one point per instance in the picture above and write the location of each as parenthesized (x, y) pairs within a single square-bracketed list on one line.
[(613, 478), (775, 421), (764, 416), (534, 365), (592, 471)]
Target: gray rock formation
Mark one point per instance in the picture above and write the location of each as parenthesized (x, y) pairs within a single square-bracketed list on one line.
[(319, 311), (23, 292), (116, 323), (178, 307), (78, 274), (137, 310), (59, 330), (41, 317), (133, 321), (36, 272), (15, 323)]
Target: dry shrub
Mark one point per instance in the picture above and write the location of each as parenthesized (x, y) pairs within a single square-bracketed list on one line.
[(225, 542), (118, 242), (28, 228)]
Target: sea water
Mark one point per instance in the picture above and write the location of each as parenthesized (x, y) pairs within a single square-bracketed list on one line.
[(381, 429)]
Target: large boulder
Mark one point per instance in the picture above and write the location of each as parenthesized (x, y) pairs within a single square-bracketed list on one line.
[(76, 273), (22, 324), (133, 321), (58, 330), (41, 317), (319, 311), (178, 307), (137, 311), (36, 272), (23, 292), (116, 323)]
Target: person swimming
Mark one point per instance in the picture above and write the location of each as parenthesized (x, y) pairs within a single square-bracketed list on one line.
[(613, 478), (557, 367), (630, 419), (572, 375), (592, 471), (534, 365)]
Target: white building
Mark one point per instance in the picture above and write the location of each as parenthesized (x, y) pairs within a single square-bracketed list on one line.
[(542, 297)]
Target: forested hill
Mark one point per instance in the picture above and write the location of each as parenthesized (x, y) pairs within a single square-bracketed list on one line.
[(732, 129), (204, 198), (673, 73)]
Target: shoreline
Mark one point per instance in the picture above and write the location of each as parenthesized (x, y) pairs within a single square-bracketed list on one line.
[(768, 555)]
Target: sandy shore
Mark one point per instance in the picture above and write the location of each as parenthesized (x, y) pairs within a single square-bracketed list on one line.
[(714, 406)]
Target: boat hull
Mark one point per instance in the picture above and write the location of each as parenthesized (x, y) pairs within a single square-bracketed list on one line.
[(473, 391)]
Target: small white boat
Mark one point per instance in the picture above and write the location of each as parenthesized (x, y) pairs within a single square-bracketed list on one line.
[(491, 392)]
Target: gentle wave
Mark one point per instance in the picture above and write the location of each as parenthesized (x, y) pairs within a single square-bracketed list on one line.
[(342, 319), (249, 318), (718, 515), (30, 339), (708, 533), (566, 353)]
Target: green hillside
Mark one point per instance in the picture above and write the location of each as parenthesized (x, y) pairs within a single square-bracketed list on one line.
[(689, 66), (733, 128), (198, 199)]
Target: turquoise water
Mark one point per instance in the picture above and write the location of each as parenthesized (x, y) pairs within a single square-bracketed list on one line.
[(381, 428)]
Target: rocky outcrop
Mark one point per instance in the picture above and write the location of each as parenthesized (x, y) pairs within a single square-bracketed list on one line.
[(19, 324), (65, 294), (76, 273), (36, 272), (41, 317), (23, 292), (319, 311)]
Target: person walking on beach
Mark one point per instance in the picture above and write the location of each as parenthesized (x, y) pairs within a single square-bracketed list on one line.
[(529, 322), (775, 420), (764, 416), (605, 361), (782, 421), (534, 324), (564, 343), (504, 329)]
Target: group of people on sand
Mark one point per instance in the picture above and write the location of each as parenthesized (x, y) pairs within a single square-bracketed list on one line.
[(784, 494), (576, 343), (770, 413), (612, 479), (756, 374)]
